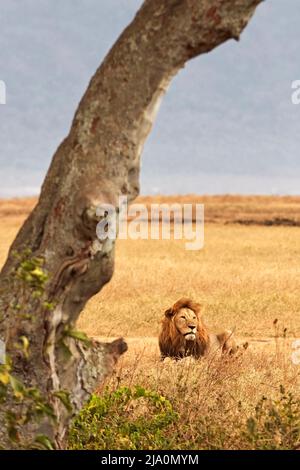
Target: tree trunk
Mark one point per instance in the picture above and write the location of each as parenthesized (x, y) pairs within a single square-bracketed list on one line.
[(56, 262)]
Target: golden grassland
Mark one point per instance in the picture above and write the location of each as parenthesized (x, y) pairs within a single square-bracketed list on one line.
[(276, 210), (245, 278), (250, 210)]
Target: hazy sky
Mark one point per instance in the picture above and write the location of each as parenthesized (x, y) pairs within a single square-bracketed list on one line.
[(227, 123)]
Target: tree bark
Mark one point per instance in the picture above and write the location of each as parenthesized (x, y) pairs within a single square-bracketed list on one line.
[(96, 163)]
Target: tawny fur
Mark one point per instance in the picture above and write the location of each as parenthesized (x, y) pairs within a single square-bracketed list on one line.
[(173, 343)]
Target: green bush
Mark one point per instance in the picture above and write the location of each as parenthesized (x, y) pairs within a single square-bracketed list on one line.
[(141, 419), (124, 419)]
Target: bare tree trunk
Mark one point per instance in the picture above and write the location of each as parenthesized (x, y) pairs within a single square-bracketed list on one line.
[(56, 264)]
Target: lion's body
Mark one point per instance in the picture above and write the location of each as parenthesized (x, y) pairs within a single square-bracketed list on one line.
[(184, 334)]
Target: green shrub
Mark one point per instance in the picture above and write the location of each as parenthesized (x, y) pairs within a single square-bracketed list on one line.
[(124, 419)]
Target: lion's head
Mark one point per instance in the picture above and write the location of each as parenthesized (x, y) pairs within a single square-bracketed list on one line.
[(183, 332), (186, 322)]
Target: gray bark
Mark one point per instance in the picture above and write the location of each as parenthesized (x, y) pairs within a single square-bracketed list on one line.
[(96, 163)]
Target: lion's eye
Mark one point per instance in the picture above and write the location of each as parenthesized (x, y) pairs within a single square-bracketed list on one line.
[(182, 317)]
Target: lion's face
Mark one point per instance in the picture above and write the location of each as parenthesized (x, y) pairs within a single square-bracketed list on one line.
[(186, 322), (182, 332)]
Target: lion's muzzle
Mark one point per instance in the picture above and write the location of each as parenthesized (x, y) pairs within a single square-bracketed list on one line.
[(191, 335)]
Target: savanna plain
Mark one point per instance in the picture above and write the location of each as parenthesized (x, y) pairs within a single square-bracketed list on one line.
[(247, 278)]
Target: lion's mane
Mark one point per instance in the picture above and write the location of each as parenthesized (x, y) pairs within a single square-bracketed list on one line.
[(172, 343)]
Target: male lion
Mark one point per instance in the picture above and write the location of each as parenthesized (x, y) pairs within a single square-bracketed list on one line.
[(184, 334)]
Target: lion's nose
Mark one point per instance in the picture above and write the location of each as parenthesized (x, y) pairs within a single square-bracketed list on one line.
[(192, 327)]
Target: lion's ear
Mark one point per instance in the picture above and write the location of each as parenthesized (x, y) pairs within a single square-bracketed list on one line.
[(169, 313), (197, 308)]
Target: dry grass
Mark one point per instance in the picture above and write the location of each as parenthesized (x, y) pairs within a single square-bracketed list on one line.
[(277, 210), (244, 378), (250, 210), (245, 277), (215, 400)]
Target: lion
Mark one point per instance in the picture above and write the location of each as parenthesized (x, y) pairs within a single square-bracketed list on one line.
[(183, 333)]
